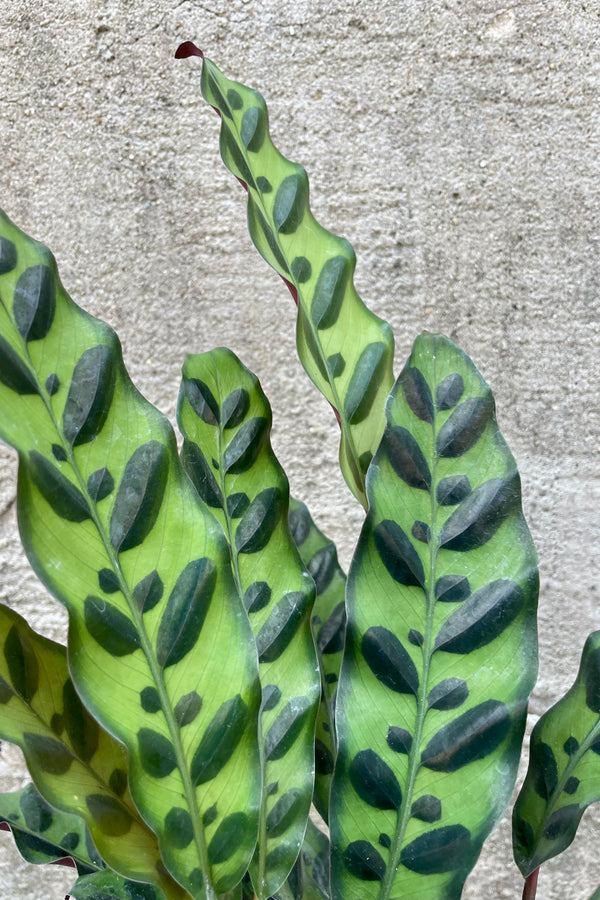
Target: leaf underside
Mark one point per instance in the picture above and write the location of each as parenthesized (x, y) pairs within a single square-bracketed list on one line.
[(116, 532), (346, 350), (563, 777), (226, 419), (441, 645)]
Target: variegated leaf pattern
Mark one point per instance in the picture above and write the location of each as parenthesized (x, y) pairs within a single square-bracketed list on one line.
[(328, 622), (75, 764), (226, 421), (114, 529), (346, 350), (309, 878), (563, 777), (44, 834), (107, 885), (441, 641), (315, 864)]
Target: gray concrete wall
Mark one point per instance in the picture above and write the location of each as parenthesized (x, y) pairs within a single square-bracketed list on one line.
[(456, 144)]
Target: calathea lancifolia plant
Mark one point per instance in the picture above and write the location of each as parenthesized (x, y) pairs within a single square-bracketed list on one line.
[(394, 699)]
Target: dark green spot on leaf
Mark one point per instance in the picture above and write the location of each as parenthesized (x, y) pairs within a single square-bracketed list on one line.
[(220, 740), (453, 490), (90, 394), (66, 500), (257, 596), (139, 496), (271, 695), (179, 830), (465, 425), (449, 391), (448, 694), (290, 201), (230, 834), (329, 291), (441, 850), (243, 449), (470, 737), (148, 592), (363, 861), (185, 611), (285, 812), (417, 393), (109, 627), (187, 708), (452, 589), (259, 521), (398, 554), (301, 269), (389, 661), (374, 781), (200, 474), (281, 625), (427, 808), (52, 384), (150, 699), (34, 302), (286, 728), (406, 457), (100, 485), (157, 753), (365, 382)]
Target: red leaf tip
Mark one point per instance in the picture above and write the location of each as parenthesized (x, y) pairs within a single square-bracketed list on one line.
[(188, 49)]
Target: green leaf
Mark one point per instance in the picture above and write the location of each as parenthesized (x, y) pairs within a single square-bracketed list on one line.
[(346, 350), (328, 623), (441, 648), (75, 764), (563, 777), (107, 885), (315, 863), (226, 419), (113, 527), (44, 834)]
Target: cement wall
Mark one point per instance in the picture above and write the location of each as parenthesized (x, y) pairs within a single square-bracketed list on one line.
[(456, 144)]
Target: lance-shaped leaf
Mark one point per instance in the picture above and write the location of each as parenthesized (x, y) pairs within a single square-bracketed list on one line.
[(328, 622), (44, 834), (441, 647), (113, 527), (563, 777), (346, 350), (226, 420), (75, 764)]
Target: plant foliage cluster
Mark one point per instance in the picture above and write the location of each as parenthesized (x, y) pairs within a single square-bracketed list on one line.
[(222, 671)]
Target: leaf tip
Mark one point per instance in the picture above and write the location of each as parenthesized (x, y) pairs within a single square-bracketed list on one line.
[(188, 49)]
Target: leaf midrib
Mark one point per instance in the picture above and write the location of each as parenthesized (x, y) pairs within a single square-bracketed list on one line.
[(571, 766), (47, 730), (88, 862), (344, 424), (404, 815), (262, 826), (146, 646)]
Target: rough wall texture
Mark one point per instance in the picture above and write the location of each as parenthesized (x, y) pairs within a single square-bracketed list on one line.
[(456, 144)]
